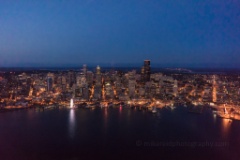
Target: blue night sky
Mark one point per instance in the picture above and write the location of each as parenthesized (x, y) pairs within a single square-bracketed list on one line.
[(75, 32)]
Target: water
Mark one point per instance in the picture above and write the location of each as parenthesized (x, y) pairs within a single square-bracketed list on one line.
[(117, 134)]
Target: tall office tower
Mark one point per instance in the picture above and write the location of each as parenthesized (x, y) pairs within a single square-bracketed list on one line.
[(97, 92), (108, 93), (98, 70), (89, 77), (64, 82), (81, 86), (147, 70), (175, 88), (81, 80), (98, 75), (64, 79), (84, 69), (98, 84), (49, 83), (51, 75), (131, 83), (131, 88), (71, 78)]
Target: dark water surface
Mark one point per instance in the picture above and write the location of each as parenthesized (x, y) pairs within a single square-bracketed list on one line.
[(117, 134)]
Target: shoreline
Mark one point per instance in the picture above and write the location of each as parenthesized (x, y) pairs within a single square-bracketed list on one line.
[(233, 112)]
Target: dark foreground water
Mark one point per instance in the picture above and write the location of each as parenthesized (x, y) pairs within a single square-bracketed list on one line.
[(117, 134)]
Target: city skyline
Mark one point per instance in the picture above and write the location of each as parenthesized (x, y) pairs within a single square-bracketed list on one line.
[(88, 89), (171, 34), (82, 106), (119, 79)]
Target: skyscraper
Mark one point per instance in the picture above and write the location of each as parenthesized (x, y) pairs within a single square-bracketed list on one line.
[(98, 75), (49, 83), (131, 83), (81, 80), (71, 78), (98, 84), (84, 69), (147, 70), (89, 77), (98, 70)]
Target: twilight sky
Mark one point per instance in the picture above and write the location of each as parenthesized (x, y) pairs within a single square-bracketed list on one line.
[(73, 32)]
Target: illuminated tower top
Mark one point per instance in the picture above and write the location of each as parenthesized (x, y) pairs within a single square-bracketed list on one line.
[(98, 69)]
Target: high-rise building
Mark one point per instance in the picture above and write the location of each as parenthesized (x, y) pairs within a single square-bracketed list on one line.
[(51, 75), (98, 84), (71, 78), (175, 88), (98, 70), (84, 69), (89, 77), (98, 75), (146, 71), (131, 83), (49, 83), (81, 89), (80, 80)]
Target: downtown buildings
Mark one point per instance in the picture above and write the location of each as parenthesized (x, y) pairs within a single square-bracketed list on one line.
[(99, 85)]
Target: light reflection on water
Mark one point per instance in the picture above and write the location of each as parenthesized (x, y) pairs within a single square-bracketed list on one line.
[(105, 118), (105, 113), (214, 117), (120, 110), (72, 122), (226, 124), (102, 129)]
